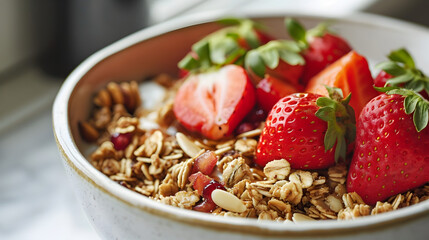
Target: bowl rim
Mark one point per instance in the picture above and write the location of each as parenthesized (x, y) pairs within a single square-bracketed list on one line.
[(76, 160)]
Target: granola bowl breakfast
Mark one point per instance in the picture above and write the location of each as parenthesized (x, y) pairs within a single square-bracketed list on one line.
[(261, 126)]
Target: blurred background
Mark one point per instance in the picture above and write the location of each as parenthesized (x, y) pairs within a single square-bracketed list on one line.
[(41, 42)]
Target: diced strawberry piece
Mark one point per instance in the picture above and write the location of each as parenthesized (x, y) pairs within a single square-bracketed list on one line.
[(205, 163), (350, 73), (270, 90), (214, 103), (199, 181)]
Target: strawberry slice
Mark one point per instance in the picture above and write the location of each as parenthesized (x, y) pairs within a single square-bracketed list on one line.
[(270, 90), (214, 103), (350, 73), (320, 47)]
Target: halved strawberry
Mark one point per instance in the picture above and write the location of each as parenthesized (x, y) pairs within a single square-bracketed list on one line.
[(308, 130), (278, 58), (214, 103), (350, 73), (320, 47), (401, 71), (270, 90), (205, 163), (226, 46)]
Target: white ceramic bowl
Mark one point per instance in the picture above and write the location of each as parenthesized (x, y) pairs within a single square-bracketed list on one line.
[(119, 213)]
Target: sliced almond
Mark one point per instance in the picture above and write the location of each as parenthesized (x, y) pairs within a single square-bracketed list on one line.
[(298, 217), (251, 133), (187, 145), (228, 201)]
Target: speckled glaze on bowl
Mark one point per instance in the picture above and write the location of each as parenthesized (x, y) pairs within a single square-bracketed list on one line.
[(118, 213)]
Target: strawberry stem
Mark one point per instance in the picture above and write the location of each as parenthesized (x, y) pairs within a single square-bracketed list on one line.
[(341, 121)]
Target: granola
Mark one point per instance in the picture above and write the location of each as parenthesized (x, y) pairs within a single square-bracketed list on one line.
[(157, 164)]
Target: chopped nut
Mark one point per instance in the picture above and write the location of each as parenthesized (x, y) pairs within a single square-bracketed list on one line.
[(277, 169), (116, 93), (103, 99), (187, 145), (88, 132), (110, 167), (298, 217), (228, 201)]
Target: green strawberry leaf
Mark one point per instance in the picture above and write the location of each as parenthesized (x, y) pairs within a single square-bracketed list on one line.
[(296, 30), (414, 103), (271, 53), (222, 47), (188, 63), (341, 121), (270, 58), (410, 103), (402, 56), (405, 72), (254, 62), (403, 78), (420, 116), (230, 21), (391, 68)]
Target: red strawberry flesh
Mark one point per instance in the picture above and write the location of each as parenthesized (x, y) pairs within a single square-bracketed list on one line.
[(214, 103)]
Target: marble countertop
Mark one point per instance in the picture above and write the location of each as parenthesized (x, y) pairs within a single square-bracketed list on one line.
[(36, 199)]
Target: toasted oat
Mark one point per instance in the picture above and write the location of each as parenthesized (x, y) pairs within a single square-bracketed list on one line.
[(187, 145), (277, 169), (246, 146), (357, 211), (352, 199), (235, 171), (303, 178), (381, 207), (184, 173), (288, 191)]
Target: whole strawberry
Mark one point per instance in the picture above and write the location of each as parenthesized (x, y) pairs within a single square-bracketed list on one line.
[(320, 47), (308, 130), (391, 154)]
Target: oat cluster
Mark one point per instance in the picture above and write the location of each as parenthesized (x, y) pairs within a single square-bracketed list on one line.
[(157, 165)]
